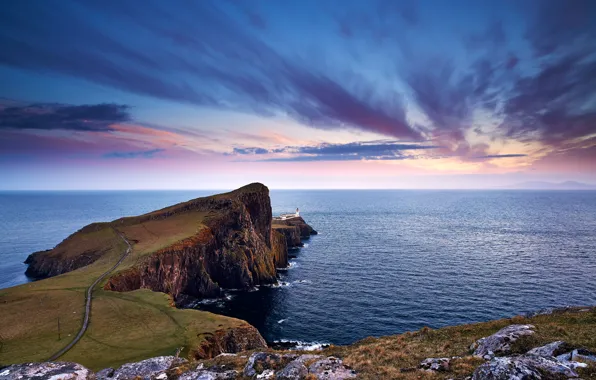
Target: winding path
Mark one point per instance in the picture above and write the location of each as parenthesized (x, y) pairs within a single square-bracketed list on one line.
[(88, 302)]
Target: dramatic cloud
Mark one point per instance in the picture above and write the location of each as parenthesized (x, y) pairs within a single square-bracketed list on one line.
[(136, 154), (220, 62), (372, 150), (67, 117)]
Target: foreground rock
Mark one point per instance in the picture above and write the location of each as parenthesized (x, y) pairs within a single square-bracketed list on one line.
[(45, 371), (154, 368), (500, 342), (552, 349), (435, 364), (526, 367)]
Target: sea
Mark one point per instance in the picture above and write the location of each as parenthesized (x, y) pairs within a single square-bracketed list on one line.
[(384, 261)]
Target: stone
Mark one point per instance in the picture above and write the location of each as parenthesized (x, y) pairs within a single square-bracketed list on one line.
[(210, 374), (46, 371), (267, 374), (331, 368), (296, 370), (263, 360), (144, 370), (435, 364), (526, 367), (552, 349), (500, 342), (583, 355)]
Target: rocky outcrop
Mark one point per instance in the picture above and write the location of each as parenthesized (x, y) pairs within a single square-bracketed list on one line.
[(46, 371), (523, 367), (552, 349), (500, 342), (153, 368), (294, 229), (234, 249), (229, 340)]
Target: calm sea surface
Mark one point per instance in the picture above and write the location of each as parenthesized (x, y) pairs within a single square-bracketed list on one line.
[(384, 262)]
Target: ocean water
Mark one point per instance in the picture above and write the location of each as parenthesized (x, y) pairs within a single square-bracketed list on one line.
[(384, 262)]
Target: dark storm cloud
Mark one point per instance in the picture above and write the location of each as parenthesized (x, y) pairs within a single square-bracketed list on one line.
[(216, 54), (374, 150), (97, 117), (217, 61), (134, 154)]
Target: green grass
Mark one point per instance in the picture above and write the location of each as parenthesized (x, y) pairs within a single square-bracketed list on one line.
[(124, 326)]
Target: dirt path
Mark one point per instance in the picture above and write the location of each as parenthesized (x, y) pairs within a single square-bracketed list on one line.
[(88, 302)]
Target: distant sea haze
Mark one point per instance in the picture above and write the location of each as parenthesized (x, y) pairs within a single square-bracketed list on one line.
[(385, 261)]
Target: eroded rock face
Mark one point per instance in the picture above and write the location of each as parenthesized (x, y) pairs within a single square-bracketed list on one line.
[(46, 371), (232, 340), (523, 367), (154, 368), (261, 361), (500, 342), (214, 373)]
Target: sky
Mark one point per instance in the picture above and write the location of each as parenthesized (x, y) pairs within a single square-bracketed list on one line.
[(106, 94)]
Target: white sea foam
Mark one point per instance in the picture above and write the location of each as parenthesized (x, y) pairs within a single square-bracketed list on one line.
[(282, 320), (303, 346), (303, 282)]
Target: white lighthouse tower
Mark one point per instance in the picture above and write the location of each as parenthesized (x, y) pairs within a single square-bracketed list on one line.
[(297, 212)]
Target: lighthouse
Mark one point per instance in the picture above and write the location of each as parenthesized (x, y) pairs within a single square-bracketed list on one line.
[(297, 212)]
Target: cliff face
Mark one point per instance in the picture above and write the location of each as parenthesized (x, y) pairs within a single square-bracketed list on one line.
[(294, 230), (233, 249)]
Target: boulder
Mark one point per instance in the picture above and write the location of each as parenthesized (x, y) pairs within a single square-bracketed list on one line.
[(526, 367), (144, 370), (500, 342), (435, 364), (46, 371), (258, 362), (331, 368), (210, 374), (296, 370), (583, 355), (552, 349)]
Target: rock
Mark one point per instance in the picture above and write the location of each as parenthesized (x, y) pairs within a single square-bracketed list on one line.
[(105, 373), (267, 374), (500, 342), (435, 364), (144, 370), (331, 368), (526, 367), (46, 371), (210, 374), (225, 341), (258, 362), (583, 355), (296, 370), (551, 349)]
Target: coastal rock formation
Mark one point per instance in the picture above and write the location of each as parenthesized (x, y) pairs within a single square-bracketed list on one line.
[(500, 342), (153, 368), (230, 340), (294, 229), (45, 371), (193, 249), (523, 367)]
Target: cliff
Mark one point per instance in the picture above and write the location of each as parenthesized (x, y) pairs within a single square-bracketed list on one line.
[(294, 230), (193, 249)]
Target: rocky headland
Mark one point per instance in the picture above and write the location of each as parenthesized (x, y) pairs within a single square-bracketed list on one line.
[(199, 249), (192, 250)]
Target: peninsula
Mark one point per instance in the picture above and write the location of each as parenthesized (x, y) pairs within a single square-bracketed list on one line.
[(191, 250)]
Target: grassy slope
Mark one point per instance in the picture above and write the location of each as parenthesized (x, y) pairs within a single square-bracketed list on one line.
[(124, 326), (383, 358)]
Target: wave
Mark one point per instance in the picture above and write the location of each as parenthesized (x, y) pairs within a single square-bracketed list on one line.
[(298, 345), (280, 284), (282, 320), (303, 282)]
